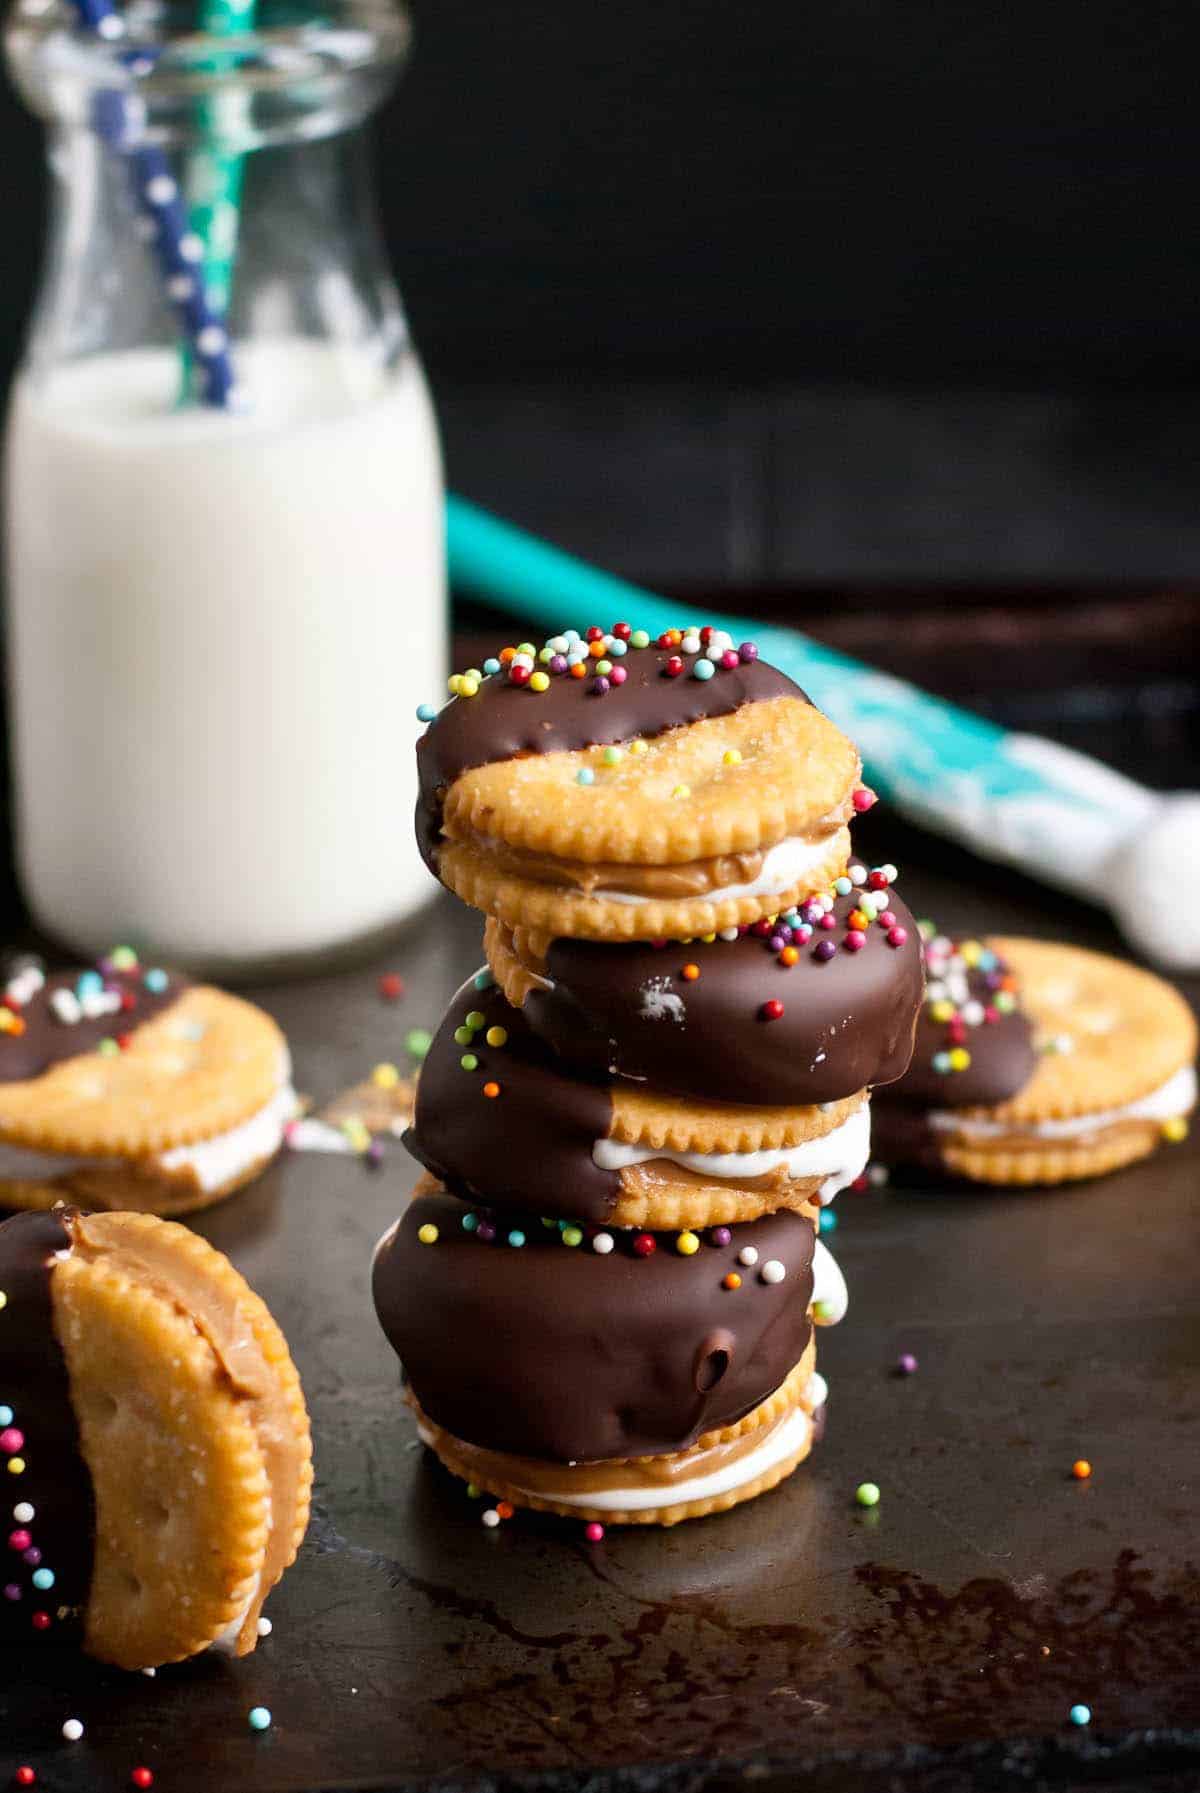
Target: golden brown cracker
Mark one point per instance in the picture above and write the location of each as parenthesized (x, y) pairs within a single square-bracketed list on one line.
[(1047, 1162), (469, 1464), (663, 1196), (666, 1198), (516, 958), (642, 1118), (474, 875), (200, 1068), (1129, 1031), (683, 798)]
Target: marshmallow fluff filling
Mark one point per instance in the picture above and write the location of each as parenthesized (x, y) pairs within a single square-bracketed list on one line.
[(783, 866), (837, 1157), (209, 1163), (1177, 1096)]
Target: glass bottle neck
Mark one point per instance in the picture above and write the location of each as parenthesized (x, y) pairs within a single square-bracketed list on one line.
[(211, 190), (307, 264)]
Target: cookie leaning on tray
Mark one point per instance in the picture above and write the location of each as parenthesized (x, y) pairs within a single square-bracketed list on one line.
[(609, 788), (157, 1447), (126, 1086), (1038, 1063)]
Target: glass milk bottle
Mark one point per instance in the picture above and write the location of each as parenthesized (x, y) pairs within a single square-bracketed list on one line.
[(221, 615)]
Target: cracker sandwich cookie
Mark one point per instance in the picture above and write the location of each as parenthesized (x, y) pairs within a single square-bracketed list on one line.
[(811, 1007), (610, 788), (500, 1120), (155, 1450), (1039, 1063), (125, 1086), (644, 1378)]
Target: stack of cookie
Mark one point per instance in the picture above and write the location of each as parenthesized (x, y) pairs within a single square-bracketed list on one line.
[(604, 1290)]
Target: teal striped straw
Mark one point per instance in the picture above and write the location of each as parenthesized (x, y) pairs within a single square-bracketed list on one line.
[(214, 175)]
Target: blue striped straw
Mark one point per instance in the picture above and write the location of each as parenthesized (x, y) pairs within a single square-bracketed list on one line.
[(162, 219)]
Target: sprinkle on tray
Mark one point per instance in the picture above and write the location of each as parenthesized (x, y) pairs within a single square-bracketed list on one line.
[(1081, 1469), (867, 1494)]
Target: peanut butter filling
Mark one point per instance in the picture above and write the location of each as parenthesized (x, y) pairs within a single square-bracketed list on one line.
[(219, 1316), (697, 878), (550, 1480), (662, 1174)]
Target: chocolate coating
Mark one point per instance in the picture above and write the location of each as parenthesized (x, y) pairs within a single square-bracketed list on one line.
[(506, 720), (46, 1040), (530, 1147), (627, 1010), (559, 1353), (1003, 1057), (35, 1384)]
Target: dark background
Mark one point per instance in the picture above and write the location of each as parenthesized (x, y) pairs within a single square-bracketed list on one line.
[(880, 319), (777, 292)]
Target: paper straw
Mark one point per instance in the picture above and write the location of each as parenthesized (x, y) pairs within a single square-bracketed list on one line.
[(1056, 814), (214, 177), (162, 219)]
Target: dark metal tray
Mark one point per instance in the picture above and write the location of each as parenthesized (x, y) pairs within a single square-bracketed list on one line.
[(937, 1640)]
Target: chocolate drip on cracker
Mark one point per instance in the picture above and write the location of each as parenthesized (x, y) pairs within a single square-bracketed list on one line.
[(629, 1011), (1000, 1049), (505, 721), (42, 1038), (510, 1130), (556, 1351)]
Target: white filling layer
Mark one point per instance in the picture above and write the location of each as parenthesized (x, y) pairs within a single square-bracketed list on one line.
[(209, 1163), (829, 1285), (818, 1391), (1177, 1096), (784, 865), (837, 1157), (225, 1156), (784, 1441)]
